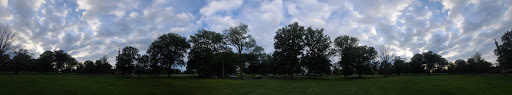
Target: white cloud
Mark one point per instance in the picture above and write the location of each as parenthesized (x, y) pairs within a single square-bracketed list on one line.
[(3, 3), (220, 5), (134, 15), (89, 29)]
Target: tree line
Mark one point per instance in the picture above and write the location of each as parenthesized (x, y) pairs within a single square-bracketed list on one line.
[(298, 51)]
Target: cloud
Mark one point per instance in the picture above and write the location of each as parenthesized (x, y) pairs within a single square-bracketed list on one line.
[(89, 29), (220, 6)]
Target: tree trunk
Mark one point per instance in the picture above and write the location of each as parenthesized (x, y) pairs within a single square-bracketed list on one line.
[(223, 68), (241, 63), (169, 72)]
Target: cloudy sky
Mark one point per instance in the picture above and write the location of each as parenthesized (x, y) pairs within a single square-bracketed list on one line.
[(89, 29)]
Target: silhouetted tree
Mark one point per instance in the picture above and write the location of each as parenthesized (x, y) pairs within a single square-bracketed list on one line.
[(239, 38), (317, 52), (106, 67), (478, 65), (428, 62), (399, 65), (142, 64), (45, 61), (90, 67), (205, 46), (226, 62), (4, 59), (20, 61), (289, 46), (253, 60), (168, 50), (433, 61), (385, 55), (417, 64), (344, 46), (460, 66), (260, 64), (504, 52), (62, 60), (126, 60), (363, 55), (8, 39)]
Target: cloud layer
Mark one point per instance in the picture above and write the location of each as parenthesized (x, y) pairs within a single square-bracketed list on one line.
[(89, 29)]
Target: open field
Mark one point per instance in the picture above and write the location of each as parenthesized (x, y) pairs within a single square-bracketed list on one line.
[(52, 84)]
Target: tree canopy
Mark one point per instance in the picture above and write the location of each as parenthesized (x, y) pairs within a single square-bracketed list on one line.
[(169, 49)]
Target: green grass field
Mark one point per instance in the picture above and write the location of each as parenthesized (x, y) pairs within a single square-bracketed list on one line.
[(54, 84)]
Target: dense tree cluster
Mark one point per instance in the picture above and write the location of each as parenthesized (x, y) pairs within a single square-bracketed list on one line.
[(504, 52), (234, 52)]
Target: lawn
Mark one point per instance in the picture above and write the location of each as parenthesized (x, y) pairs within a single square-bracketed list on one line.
[(55, 84)]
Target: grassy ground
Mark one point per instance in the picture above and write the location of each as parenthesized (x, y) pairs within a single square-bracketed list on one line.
[(54, 84)]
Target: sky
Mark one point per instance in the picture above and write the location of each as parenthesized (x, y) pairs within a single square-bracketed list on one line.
[(90, 29)]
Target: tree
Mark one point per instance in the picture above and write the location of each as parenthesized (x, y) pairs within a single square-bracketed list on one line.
[(478, 65), (102, 65), (288, 47), (260, 63), (20, 61), (363, 55), (90, 67), (504, 52), (460, 66), (399, 65), (433, 61), (317, 52), (168, 50), (428, 62), (417, 63), (126, 60), (344, 46), (105, 66), (229, 61), (8, 39), (206, 45), (143, 63), (4, 59), (62, 60), (385, 55), (45, 61), (239, 38)]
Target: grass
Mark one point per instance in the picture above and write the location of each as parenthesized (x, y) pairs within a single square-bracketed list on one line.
[(55, 84)]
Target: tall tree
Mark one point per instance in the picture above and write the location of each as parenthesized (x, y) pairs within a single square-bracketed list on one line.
[(142, 64), (90, 67), (4, 59), (504, 52), (428, 62), (45, 61), (317, 52), (288, 46), (385, 55), (398, 65), (363, 55), (433, 61), (127, 59), (460, 66), (169, 49), (417, 63), (105, 66), (239, 38), (8, 39), (205, 44), (344, 46), (62, 60), (478, 65), (20, 61)]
